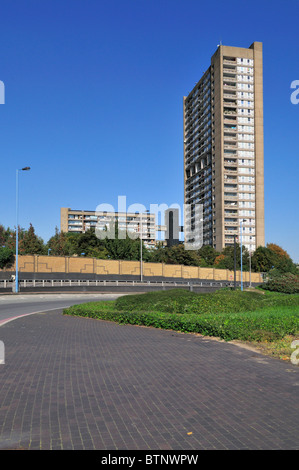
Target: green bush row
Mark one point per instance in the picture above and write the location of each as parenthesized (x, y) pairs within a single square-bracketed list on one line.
[(287, 283), (267, 324), (221, 301)]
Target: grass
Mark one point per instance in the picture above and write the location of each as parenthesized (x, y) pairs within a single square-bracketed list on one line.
[(269, 321), (281, 348), (221, 301)]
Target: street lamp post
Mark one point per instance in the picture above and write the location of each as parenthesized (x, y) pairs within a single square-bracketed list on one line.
[(235, 263), (250, 268), (141, 267), (26, 168), (242, 220)]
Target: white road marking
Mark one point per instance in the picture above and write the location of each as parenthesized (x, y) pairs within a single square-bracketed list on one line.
[(7, 320)]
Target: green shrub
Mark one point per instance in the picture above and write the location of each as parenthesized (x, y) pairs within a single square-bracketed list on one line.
[(287, 283), (249, 316), (7, 257), (185, 302), (269, 324)]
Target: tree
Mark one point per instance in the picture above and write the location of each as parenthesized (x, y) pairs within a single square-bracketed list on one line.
[(176, 254), (159, 254), (7, 257), (90, 245), (280, 252), (30, 243), (282, 260), (219, 261), (124, 247), (226, 258), (2, 236), (207, 255), (8, 237), (266, 258), (58, 244)]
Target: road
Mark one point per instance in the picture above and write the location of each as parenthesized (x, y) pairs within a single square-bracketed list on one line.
[(71, 383), (16, 306)]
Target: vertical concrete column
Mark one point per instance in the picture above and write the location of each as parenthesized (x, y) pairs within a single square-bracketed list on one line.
[(35, 263), (67, 264)]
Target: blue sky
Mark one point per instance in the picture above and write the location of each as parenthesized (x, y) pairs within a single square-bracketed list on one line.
[(94, 102)]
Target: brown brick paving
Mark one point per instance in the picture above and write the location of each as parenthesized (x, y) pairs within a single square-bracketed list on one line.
[(74, 383)]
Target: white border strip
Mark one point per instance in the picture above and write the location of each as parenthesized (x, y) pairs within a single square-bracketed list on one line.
[(3, 322)]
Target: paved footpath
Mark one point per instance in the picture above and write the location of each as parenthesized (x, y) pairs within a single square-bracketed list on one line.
[(74, 383)]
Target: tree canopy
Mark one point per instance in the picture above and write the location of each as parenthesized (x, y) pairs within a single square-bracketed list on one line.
[(270, 258)]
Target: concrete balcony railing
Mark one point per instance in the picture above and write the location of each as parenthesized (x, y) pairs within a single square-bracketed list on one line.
[(229, 189), (232, 224), (230, 148), (228, 78), (231, 103), (229, 95), (230, 119), (229, 62), (230, 180), (229, 85)]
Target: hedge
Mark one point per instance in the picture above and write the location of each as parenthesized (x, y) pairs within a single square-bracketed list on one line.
[(266, 324)]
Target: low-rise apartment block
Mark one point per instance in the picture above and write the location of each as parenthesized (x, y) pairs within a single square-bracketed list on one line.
[(79, 221)]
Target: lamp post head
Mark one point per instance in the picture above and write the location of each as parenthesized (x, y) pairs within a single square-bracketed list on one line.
[(26, 168)]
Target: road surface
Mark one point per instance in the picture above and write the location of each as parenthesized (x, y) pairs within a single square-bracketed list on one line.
[(16, 306), (71, 383)]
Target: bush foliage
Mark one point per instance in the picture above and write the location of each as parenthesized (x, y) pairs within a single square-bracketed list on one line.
[(220, 301), (7, 257), (287, 283), (249, 316)]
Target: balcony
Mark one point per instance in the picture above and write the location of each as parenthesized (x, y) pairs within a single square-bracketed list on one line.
[(230, 119), (228, 102), (228, 152), (229, 78), (228, 137), (230, 180), (229, 190), (230, 204), (229, 240), (230, 147), (231, 213), (231, 222), (231, 61), (229, 85), (230, 127), (230, 111), (230, 172), (229, 94), (232, 163), (229, 74)]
